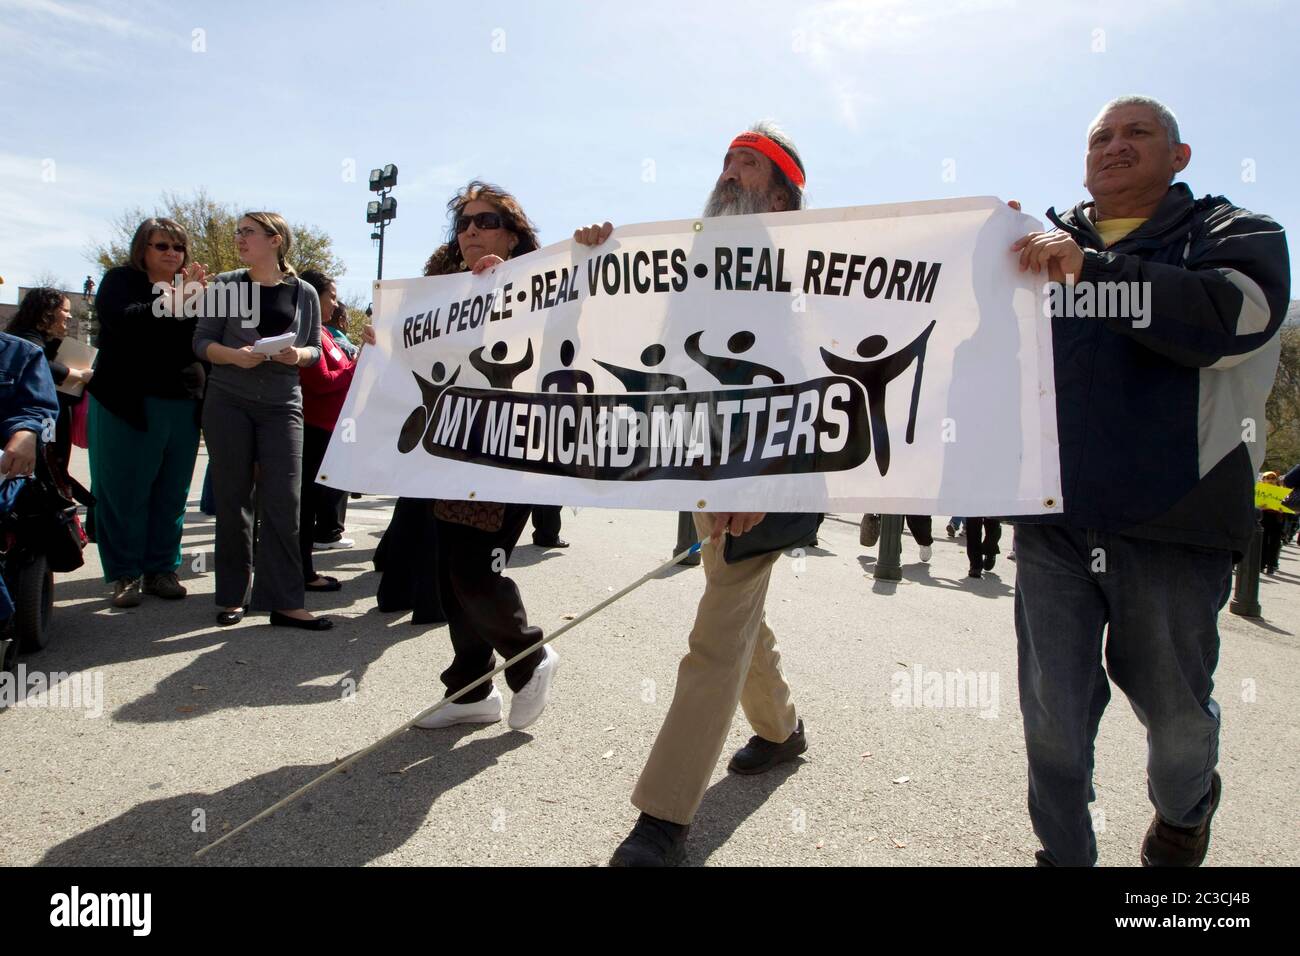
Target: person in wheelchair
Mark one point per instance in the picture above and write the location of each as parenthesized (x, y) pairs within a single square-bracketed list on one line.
[(29, 408)]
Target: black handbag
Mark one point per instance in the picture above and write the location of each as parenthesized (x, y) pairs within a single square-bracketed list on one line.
[(48, 522), (65, 541), (776, 532)]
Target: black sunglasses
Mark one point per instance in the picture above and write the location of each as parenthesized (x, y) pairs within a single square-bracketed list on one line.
[(484, 220), (164, 246)]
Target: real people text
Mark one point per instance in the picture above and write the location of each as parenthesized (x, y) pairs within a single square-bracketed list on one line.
[(662, 271)]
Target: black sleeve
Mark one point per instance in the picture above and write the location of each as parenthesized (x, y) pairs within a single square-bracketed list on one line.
[(124, 301), (58, 371), (1226, 301)]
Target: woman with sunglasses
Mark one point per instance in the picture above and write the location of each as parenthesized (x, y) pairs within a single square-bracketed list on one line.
[(484, 610), (253, 416), (143, 414)]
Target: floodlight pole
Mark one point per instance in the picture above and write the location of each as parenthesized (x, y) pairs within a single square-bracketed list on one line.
[(382, 181)]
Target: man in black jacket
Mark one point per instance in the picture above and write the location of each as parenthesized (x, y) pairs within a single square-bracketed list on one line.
[(1164, 333)]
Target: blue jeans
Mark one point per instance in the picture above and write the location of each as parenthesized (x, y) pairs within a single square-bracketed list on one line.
[(1158, 604), (8, 495)]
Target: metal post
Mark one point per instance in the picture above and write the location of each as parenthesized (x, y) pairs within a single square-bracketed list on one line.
[(1245, 597), (381, 247), (889, 564)]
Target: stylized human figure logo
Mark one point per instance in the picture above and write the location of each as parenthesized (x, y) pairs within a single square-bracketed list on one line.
[(727, 369), (875, 377), (418, 422), (568, 379), (638, 380), (498, 372)]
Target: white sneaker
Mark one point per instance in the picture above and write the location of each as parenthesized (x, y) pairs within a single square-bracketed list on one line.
[(530, 700), (485, 711), (342, 544), (926, 551)]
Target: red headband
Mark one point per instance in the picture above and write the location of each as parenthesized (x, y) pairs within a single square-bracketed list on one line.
[(769, 148)]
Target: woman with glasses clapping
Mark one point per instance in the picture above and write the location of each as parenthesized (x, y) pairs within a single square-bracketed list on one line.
[(143, 414)]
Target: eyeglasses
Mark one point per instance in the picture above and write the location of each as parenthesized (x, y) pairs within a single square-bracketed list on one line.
[(484, 220), (164, 246), (248, 231)]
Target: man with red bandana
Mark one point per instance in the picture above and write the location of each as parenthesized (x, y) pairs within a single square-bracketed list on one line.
[(733, 657)]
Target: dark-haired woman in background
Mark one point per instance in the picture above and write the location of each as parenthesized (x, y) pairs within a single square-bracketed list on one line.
[(330, 520), (143, 416), (336, 323), (42, 319), (324, 387), (485, 612)]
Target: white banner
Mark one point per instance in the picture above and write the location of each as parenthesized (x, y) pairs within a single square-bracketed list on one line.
[(880, 358)]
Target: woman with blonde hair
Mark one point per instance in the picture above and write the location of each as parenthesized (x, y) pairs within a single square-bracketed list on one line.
[(253, 416)]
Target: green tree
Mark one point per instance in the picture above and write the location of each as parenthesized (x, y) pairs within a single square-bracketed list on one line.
[(1283, 409), (211, 226)]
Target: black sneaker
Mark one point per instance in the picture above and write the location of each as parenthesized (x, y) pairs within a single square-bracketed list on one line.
[(1168, 845), (760, 755), (989, 561), (652, 842), (974, 572)]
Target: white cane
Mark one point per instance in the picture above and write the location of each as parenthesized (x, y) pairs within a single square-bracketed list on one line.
[(342, 765)]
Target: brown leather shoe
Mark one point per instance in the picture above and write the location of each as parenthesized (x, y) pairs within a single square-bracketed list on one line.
[(1168, 845), (126, 592), (164, 585)]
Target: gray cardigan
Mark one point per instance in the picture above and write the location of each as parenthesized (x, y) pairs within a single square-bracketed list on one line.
[(270, 383)]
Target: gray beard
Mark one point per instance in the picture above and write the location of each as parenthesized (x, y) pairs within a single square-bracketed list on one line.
[(729, 199)]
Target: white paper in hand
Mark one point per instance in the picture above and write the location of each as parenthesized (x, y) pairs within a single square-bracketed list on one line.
[(274, 343)]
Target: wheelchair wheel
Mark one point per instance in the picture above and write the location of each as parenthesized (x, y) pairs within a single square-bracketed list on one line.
[(33, 605)]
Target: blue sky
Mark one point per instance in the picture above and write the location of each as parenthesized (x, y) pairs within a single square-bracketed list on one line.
[(589, 111)]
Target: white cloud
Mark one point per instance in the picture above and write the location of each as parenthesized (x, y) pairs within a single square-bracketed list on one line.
[(79, 16), (50, 226), (437, 180), (838, 36)]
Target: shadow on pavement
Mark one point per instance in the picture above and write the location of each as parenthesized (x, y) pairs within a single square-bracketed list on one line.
[(265, 666), (729, 803), (988, 586), (363, 813)]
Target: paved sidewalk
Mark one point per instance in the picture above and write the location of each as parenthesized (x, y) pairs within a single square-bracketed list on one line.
[(203, 727)]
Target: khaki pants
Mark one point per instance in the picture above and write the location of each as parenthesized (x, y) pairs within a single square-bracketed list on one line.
[(732, 658)]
